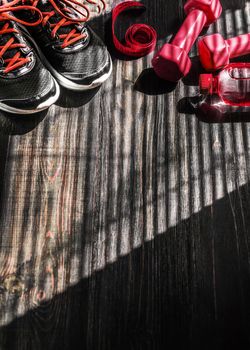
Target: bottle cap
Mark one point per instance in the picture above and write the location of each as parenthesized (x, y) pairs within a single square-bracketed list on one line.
[(206, 83)]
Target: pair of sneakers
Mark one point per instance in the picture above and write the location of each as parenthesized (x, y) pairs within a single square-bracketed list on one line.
[(43, 43)]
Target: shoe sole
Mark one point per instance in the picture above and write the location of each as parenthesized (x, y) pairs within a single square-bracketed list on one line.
[(67, 83), (44, 105)]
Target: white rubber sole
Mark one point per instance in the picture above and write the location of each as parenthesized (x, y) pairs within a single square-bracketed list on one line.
[(44, 105), (67, 83)]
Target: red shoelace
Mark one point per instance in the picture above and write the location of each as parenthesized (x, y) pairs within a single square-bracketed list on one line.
[(17, 60), (43, 18), (71, 7)]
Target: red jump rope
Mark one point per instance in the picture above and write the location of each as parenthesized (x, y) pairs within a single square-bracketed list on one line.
[(140, 39)]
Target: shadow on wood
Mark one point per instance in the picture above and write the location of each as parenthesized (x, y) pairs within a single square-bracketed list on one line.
[(188, 288), (150, 84), (72, 99), (189, 105), (14, 124)]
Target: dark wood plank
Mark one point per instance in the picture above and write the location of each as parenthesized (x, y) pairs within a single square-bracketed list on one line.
[(125, 223)]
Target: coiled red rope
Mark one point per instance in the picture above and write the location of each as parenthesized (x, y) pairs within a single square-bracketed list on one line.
[(140, 39)]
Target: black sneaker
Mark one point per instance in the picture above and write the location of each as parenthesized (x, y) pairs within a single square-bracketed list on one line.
[(26, 86), (72, 52)]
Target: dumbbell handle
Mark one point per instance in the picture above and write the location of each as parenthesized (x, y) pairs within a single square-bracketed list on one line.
[(239, 46), (190, 30)]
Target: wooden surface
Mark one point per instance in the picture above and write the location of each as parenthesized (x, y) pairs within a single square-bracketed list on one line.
[(125, 223)]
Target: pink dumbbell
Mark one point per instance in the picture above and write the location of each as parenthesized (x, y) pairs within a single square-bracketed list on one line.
[(215, 52), (172, 62)]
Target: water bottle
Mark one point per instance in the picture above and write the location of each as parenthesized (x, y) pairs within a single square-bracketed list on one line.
[(226, 94)]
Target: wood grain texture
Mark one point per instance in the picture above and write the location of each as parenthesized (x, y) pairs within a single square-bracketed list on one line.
[(125, 223)]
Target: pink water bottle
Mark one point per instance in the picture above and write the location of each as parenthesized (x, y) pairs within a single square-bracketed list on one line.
[(226, 93)]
